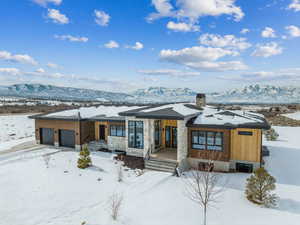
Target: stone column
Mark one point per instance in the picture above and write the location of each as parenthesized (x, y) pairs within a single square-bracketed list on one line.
[(182, 144)]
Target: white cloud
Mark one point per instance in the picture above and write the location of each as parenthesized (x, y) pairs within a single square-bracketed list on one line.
[(202, 58), (111, 44), (26, 59), (245, 31), (194, 9), (268, 32), (101, 18), (52, 65), (9, 71), (227, 41), (267, 50), (57, 17), (295, 5), (137, 46), (44, 3), (40, 70), (169, 72), (182, 27), (71, 38), (293, 31)]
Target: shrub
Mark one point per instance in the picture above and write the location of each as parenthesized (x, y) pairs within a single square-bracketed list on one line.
[(271, 135), (259, 187), (84, 160), (115, 203)]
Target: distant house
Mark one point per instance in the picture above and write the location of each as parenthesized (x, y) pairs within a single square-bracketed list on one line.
[(180, 135)]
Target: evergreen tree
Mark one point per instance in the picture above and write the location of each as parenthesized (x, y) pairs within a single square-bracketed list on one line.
[(84, 160), (259, 188)]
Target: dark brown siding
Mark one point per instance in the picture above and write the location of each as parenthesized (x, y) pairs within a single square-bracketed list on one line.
[(209, 154), (87, 131)]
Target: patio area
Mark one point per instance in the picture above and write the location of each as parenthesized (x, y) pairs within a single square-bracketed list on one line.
[(166, 154)]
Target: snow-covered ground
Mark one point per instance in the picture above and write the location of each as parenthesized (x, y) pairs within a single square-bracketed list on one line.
[(295, 115), (15, 129), (62, 194)]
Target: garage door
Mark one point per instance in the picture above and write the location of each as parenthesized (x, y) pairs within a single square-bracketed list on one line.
[(47, 136), (67, 138)]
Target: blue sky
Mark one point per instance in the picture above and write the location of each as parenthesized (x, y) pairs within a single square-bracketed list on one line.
[(123, 45)]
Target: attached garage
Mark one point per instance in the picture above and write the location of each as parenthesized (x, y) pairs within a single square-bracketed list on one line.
[(67, 138), (47, 136)]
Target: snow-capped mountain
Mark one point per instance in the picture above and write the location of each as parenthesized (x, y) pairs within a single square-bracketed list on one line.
[(248, 94)]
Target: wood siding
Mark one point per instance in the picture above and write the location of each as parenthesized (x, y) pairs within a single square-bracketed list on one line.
[(245, 147), (209, 154), (107, 128)]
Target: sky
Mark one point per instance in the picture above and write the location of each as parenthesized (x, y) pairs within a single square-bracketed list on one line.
[(208, 46)]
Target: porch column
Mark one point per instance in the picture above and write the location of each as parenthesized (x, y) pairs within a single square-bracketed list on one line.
[(182, 143)]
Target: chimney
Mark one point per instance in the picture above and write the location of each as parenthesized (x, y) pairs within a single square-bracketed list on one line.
[(200, 100)]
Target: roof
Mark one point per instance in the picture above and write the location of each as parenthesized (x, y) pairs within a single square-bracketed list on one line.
[(101, 112), (215, 118), (176, 111)]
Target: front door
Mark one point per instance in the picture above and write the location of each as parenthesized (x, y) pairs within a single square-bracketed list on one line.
[(102, 132), (171, 137)]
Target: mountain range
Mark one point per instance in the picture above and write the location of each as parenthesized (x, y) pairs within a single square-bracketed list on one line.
[(248, 94)]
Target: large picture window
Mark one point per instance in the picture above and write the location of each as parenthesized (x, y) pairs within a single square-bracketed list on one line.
[(136, 134), (117, 130), (207, 140)]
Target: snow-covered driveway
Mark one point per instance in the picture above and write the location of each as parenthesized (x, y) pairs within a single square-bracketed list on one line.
[(62, 194)]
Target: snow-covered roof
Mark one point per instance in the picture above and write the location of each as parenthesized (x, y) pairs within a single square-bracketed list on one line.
[(228, 118), (90, 112), (170, 111)]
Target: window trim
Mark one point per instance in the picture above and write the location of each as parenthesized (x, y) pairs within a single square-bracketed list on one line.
[(133, 124), (206, 144), (117, 127)]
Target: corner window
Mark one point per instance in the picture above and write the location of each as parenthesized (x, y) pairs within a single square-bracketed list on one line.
[(136, 134), (117, 130), (207, 140)]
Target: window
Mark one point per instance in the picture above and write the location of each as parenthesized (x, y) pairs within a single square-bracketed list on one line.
[(249, 133), (157, 133), (117, 130), (207, 140), (136, 134)]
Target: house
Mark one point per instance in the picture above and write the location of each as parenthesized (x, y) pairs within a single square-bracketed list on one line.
[(166, 136)]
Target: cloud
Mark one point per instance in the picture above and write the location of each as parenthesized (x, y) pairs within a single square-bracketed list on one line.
[(40, 70), (44, 3), (169, 72), (295, 5), (227, 41), (194, 9), (101, 18), (137, 46), (245, 31), (57, 17), (25, 59), (9, 71), (202, 58), (267, 50), (268, 32), (182, 27), (52, 65), (293, 31), (111, 44), (260, 76), (71, 38)]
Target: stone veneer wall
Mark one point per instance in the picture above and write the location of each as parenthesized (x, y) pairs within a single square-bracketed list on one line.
[(116, 143), (182, 144)]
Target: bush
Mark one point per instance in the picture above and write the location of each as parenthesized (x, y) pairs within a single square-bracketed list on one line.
[(271, 135), (84, 160), (259, 187)]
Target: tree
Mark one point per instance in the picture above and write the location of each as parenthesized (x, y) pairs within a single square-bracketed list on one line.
[(115, 203), (259, 188), (204, 187), (84, 160)]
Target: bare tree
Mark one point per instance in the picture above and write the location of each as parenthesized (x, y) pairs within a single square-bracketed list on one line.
[(115, 203), (204, 187), (120, 174), (47, 159)]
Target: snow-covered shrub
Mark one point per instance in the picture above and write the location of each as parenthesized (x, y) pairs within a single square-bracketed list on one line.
[(84, 160), (47, 159), (259, 188), (115, 203), (271, 135), (120, 174)]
